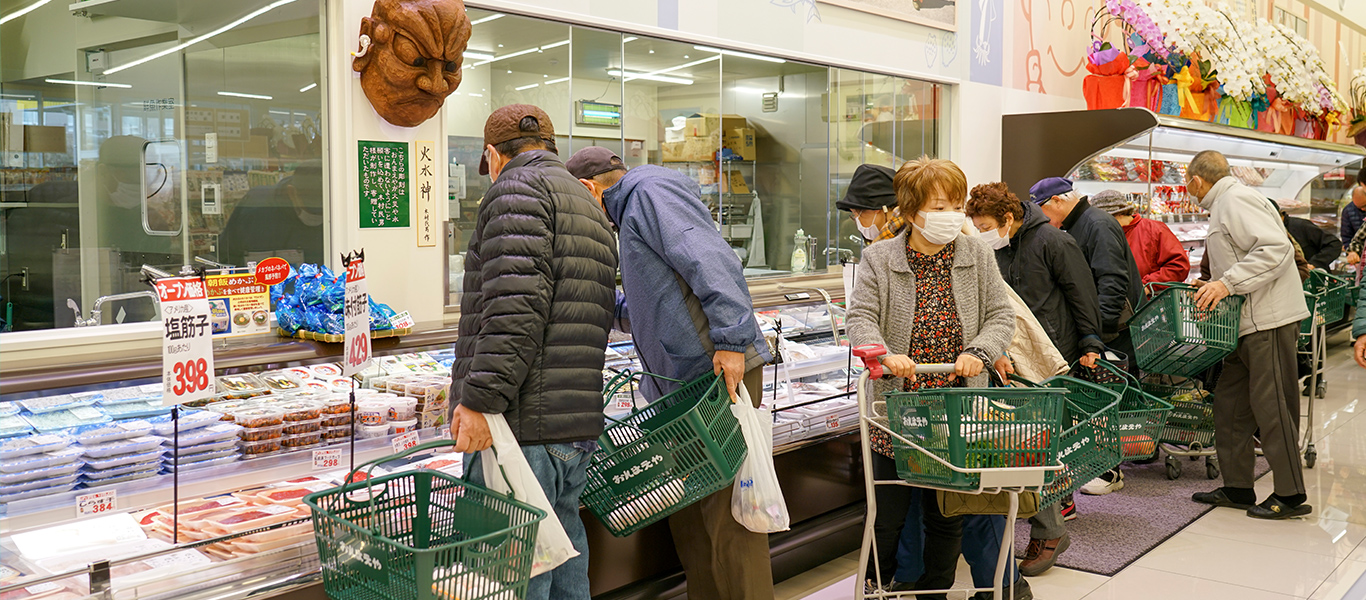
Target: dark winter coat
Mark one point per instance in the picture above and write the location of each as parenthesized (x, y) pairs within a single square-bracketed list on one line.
[(540, 284), (1320, 247), (1112, 262)]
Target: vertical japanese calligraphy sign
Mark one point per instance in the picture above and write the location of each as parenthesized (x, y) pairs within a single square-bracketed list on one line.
[(186, 343), (424, 159), (384, 197), (356, 315)]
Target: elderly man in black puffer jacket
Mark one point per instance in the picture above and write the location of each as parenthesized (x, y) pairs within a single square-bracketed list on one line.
[(539, 299)]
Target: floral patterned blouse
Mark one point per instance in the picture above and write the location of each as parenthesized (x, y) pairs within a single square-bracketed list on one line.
[(938, 332)]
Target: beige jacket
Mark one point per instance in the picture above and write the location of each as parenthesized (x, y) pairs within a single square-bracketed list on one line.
[(1033, 354)]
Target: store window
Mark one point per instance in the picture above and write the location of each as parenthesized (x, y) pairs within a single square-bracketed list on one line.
[(144, 136)]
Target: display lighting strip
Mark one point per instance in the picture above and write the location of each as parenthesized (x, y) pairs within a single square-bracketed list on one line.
[(23, 11), (90, 83), (627, 76), (183, 45), (739, 54), (519, 53), (242, 95)]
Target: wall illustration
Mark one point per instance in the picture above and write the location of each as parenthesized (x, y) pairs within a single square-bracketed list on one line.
[(941, 14), (1050, 45)]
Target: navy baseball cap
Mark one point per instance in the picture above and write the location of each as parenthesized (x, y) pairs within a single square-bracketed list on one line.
[(1045, 189)]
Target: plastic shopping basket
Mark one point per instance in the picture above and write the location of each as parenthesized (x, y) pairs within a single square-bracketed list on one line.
[(422, 535), (1142, 415), (1089, 442), (973, 428), (1173, 337), (661, 458), (1191, 421), (1327, 296)]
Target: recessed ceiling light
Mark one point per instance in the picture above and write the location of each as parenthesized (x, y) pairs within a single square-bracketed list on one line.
[(685, 56), (509, 71), (500, 45), (652, 51), (476, 95), (546, 76)]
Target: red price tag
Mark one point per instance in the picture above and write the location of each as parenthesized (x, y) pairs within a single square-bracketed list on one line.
[(272, 270), (625, 404), (405, 441), (190, 376), (326, 459), (359, 350), (832, 422), (98, 503)]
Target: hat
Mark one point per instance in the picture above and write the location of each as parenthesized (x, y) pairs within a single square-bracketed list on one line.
[(1045, 189), (1111, 201), (505, 125), (869, 189), (593, 161)]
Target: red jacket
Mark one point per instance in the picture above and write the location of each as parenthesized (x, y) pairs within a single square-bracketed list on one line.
[(1159, 255)]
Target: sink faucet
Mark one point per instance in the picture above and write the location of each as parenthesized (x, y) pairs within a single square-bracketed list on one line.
[(99, 303)]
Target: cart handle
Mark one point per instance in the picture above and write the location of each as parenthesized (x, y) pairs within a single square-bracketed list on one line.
[(873, 354), (1114, 369)]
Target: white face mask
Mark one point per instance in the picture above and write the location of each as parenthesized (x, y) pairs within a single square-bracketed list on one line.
[(941, 227), (997, 238), (870, 232), (126, 195)]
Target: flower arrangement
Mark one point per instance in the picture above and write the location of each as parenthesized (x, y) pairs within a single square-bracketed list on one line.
[(1358, 103)]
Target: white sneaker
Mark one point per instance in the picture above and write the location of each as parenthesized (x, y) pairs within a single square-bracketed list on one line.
[(1109, 481)]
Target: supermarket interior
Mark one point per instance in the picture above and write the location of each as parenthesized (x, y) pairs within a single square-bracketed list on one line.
[(242, 337)]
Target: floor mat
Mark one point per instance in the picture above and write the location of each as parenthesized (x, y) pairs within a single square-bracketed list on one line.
[(1116, 529)]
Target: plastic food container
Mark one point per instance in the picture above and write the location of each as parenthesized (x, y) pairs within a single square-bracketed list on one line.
[(259, 416), (259, 447), (107, 432), (373, 412), (203, 464), (336, 420), (189, 420), (24, 486), (12, 426), (192, 508), (123, 459), (51, 422), (44, 473), (300, 410), (298, 427), (275, 535), (34, 444), (9, 409), (134, 476), (336, 404), (136, 410), (337, 433), (314, 385), (129, 394), (281, 381), (289, 495), (186, 459), (47, 491), (204, 435), (396, 427), (403, 409), (120, 447), (49, 404), (302, 440), (326, 371), (365, 432), (102, 474), (256, 434), (241, 386), (252, 517), (41, 461)]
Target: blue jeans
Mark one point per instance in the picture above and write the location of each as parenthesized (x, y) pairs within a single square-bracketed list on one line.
[(562, 470), (981, 546)]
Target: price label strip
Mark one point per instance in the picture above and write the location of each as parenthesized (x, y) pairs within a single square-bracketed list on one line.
[(98, 503), (326, 459), (405, 441), (186, 340), (356, 307)]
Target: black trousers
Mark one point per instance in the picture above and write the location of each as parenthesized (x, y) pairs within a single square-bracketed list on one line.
[(943, 535), (893, 501)]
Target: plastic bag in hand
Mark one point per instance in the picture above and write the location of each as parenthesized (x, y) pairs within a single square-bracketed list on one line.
[(553, 547), (757, 500)]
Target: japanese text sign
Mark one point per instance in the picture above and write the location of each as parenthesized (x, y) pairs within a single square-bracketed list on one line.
[(186, 343), (425, 165), (238, 304), (356, 314), (383, 184)]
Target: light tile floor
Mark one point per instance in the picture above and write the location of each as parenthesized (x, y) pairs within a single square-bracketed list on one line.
[(1225, 555)]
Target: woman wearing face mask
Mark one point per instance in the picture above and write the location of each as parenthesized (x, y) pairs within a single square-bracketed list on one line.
[(928, 295), (871, 202)]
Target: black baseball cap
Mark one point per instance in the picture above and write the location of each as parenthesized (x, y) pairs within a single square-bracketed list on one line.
[(593, 161), (869, 189)]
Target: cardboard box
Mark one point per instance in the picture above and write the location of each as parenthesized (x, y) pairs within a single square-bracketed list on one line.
[(692, 149), (44, 138), (735, 183), (705, 124), (741, 141)]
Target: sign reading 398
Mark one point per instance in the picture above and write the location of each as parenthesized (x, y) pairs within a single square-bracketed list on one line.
[(186, 340)]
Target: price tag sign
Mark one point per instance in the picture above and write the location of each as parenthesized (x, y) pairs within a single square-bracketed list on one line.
[(356, 314), (98, 503), (832, 422), (402, 320), (405, 441), (326, 459), (186, 340)]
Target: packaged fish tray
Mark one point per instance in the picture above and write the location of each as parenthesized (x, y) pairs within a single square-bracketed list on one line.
[(153, 471), (169, 468), (49, 404), (24, 486), (203, 435), (189, 420), (115, 448), (12, 426), (137, 393), (123, 459), (101, 474), (38, 493), (101, 433), (188, 451), (9, 409), (186, 459), (16, 448), (43, 473), (41, 461), (136, 410), (55, 421)]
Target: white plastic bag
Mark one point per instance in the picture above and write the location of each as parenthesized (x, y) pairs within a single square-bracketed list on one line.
[(757, 500), (553, 547)]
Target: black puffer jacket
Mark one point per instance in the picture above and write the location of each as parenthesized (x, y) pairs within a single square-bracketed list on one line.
[(1048, 271), (540, 294), (1112, 262)]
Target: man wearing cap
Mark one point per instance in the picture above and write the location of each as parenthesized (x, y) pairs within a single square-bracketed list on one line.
[(1320, 247), (871, 201), (540, 280), (1157, 252), (690, 314)]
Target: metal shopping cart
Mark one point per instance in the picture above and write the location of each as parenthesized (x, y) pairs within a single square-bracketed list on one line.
[(1327, 296), (984, 440)]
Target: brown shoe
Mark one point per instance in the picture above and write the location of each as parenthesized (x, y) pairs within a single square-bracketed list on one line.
[(1041, 555)]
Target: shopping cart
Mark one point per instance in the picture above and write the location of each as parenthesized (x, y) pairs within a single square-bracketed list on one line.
[(1189, 432), (1142, 416), (422, 535), (661, 458), (985, 440), (1327, 296), (1174, 337), (1090, 434)]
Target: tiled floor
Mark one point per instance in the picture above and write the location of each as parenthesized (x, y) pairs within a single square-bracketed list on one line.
[(1225, 555)]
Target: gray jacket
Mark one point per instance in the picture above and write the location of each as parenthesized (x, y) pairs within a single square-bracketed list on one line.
[(1251, 253), (882, 307)]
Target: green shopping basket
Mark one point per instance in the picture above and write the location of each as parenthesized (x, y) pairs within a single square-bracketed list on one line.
[(1173, 337), (422, 535), (1089, 442), (1327, 296), (973, 428), (1191, 421), (661, 458), (1142, 415)]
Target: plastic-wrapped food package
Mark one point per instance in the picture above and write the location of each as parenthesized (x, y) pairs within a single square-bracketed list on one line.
[(121, 460), (204, 435), (136, 410), (137, 393), (7, 489), (259, 448), (15, 448), (252, 517), (187, 459), (135, 445), (51, 422), (49, 404), (202, 464), (44, 473), (281, 381), (381, 316), (289, 316), (38, 493), (101, 474), (242, 385), (185, 452), (148, 473), (326, 370), (41, 461), (12, 426), (108, 432), (189, 421), (9, 409)]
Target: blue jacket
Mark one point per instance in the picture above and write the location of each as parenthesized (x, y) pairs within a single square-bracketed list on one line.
[(671, 253), (1359, 323)]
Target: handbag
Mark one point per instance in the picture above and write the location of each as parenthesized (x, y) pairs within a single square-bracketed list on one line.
[(954, 504)]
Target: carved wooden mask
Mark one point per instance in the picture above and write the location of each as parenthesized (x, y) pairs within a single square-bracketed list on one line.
[(414, 57)]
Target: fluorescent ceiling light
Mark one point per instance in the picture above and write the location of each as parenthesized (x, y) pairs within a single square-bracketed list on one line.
[(628, 39), (739, 54), (241, 95), (526, 87), (652, 74), (27, 96), (749, 90), (23, 11), (476, 95), (555, 45), (487, 19), (626, 76), (308, 87), (89, 83), (280, 112), (183, 45), (473, 55), (555, 81), (518, 53)]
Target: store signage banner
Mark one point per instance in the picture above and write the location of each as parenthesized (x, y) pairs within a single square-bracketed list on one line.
[(187, 340), (238, 305), (356, 313), (425, 159), (383, 184)]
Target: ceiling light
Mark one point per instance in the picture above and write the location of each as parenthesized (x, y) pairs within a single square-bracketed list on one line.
[(628, 39), (280, 112), (671, 69), (517, 53), (739, 54), (472, 55), (509, 71), (23, 11), (650, 76), (526, 87), (652, 51), (90, 83), (555, 45), (500, 45), (685, 56), (27, 96), (242, 95), (476, 95), (183, 45), (492, 17), (308, 87), (555, 81), (545, 76)]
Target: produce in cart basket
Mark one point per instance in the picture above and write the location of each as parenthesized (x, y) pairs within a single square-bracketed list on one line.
[(659, 500), (456, 583)]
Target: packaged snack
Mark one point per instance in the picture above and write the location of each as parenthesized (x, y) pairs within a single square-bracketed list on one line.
[(49, 404), (256, 434), (251, 449), (34, 444), (34, 484), (247, 518), (204, 435), (259, 416), (281, 381), (108, 432), (300, 410), (298, 427), (140, 409), (125, 478), (189, 421), (373, 412), (54, 421), (396, 427), (41, 461), (403, 409), (123, 459), (326, 371), (244, 385), (100, 474), (12, 426), (302, 440), (120, 447), (365, 432), (44, 473)]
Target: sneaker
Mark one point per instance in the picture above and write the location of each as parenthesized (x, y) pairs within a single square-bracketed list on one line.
[(1109, 481), (1069, 509), (1041, 555), (1022, 592)]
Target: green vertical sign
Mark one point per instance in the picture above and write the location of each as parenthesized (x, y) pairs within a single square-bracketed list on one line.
[(383, 184)]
